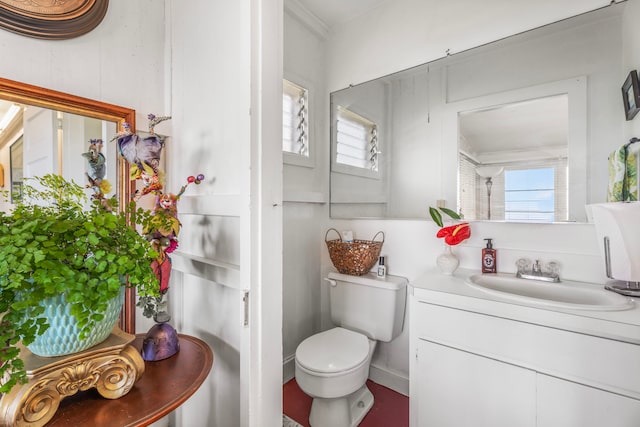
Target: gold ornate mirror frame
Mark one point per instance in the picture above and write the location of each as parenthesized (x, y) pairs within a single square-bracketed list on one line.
[(52, 19), (33, 95)]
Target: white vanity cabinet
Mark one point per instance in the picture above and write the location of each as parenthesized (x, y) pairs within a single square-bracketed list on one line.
[(455, 388), (478, 361), (563, 403)]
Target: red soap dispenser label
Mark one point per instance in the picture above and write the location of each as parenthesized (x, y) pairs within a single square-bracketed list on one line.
[(489, 258), (488, 262)]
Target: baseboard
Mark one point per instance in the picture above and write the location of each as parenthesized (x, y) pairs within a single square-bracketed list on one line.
[(288, 368), (393, 380)]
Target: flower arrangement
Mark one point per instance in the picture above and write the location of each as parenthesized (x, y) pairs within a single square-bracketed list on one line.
[(161, 228), (453, 234)]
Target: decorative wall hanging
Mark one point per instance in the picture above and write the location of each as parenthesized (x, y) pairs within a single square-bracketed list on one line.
[(631, 95), (52, 19)]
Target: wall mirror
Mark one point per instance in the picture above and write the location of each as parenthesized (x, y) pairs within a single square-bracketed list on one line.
[(45, 131), (513, 112)]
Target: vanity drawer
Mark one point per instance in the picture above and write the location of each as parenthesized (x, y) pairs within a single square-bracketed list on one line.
[(580, 358)]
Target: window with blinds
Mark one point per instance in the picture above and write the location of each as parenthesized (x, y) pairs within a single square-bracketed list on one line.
[(531, 191), (356, 141), (294, 119), (536, 194)]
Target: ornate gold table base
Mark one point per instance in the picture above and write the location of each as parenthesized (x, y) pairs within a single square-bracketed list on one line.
[(111, 367)]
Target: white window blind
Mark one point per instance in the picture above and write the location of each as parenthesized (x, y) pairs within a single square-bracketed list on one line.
[(356, 140), (294, 119), (536, 194)]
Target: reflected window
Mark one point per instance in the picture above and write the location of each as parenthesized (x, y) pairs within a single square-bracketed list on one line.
[(294, 119), (17, 172), (356, 140), (530, 195)]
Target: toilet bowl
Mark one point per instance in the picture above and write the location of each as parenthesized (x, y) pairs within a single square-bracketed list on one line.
[(332, 367)]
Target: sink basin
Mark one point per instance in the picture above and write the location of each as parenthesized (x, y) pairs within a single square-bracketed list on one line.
[(571, 295)]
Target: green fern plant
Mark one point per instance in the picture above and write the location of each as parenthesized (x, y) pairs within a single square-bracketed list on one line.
[(50, 243)]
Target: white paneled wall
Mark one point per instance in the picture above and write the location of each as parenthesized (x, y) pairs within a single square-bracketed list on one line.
[(212, 312), (225, 100), (305, 189), (301, 277)]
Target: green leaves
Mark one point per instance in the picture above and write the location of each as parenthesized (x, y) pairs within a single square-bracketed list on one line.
[(55, 242), (437, 217)]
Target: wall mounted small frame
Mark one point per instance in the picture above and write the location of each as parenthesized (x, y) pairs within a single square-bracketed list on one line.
[(51, 19), (631, 95)]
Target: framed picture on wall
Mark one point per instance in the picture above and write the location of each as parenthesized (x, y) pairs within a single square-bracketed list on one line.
[(631, 95)]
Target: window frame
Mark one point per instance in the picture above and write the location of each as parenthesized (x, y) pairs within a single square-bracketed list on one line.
[(348, 169), (561, 195), (295, 159)]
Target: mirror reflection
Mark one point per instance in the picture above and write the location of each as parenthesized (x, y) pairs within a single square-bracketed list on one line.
[(63, 126), (513, 161), (35, 141), (502, 132)]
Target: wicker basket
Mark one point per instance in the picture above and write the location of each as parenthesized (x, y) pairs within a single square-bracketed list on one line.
[(355, 258)]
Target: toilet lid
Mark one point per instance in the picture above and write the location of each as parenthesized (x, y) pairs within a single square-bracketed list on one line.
[(335, 350)]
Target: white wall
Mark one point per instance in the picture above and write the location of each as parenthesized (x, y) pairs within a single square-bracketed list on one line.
[(120, 62), (226, 97), (305, 188), (400, 34)]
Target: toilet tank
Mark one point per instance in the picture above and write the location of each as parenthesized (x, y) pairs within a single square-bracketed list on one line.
[(368, 304)]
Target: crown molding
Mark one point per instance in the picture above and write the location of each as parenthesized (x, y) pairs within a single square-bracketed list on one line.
[(304, 15)]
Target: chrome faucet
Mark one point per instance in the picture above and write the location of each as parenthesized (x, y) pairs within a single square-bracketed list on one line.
[(536, 271), (536, 268)]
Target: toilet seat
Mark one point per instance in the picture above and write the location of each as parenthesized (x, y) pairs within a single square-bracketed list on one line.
[(337, 350)]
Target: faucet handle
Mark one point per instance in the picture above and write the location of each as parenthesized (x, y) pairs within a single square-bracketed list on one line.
[(523, 265), (553, 268)]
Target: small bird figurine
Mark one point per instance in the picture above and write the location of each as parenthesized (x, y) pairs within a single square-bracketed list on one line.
[(96, 160), (154, 120)]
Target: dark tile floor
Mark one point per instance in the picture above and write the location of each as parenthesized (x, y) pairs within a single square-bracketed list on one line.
[(390, 409)]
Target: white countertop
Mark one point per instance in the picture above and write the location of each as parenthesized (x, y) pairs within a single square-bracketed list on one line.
[(453, 291)]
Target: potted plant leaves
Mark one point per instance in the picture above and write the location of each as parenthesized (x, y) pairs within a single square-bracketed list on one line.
[(60, 252)]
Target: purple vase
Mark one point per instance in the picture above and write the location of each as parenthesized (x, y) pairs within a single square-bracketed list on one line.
[(161, 342)]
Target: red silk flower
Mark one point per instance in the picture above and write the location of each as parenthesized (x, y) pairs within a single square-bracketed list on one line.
[(455, 234)]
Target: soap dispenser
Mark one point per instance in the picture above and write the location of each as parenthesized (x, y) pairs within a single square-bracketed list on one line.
[(489, 258)]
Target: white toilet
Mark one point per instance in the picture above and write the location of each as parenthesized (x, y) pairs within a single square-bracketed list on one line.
[(333, 366)]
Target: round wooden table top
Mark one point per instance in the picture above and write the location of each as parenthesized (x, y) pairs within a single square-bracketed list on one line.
[(164, 386)]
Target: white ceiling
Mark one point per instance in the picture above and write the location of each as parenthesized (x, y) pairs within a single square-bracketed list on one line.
[(531, 125), (333, 12)]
